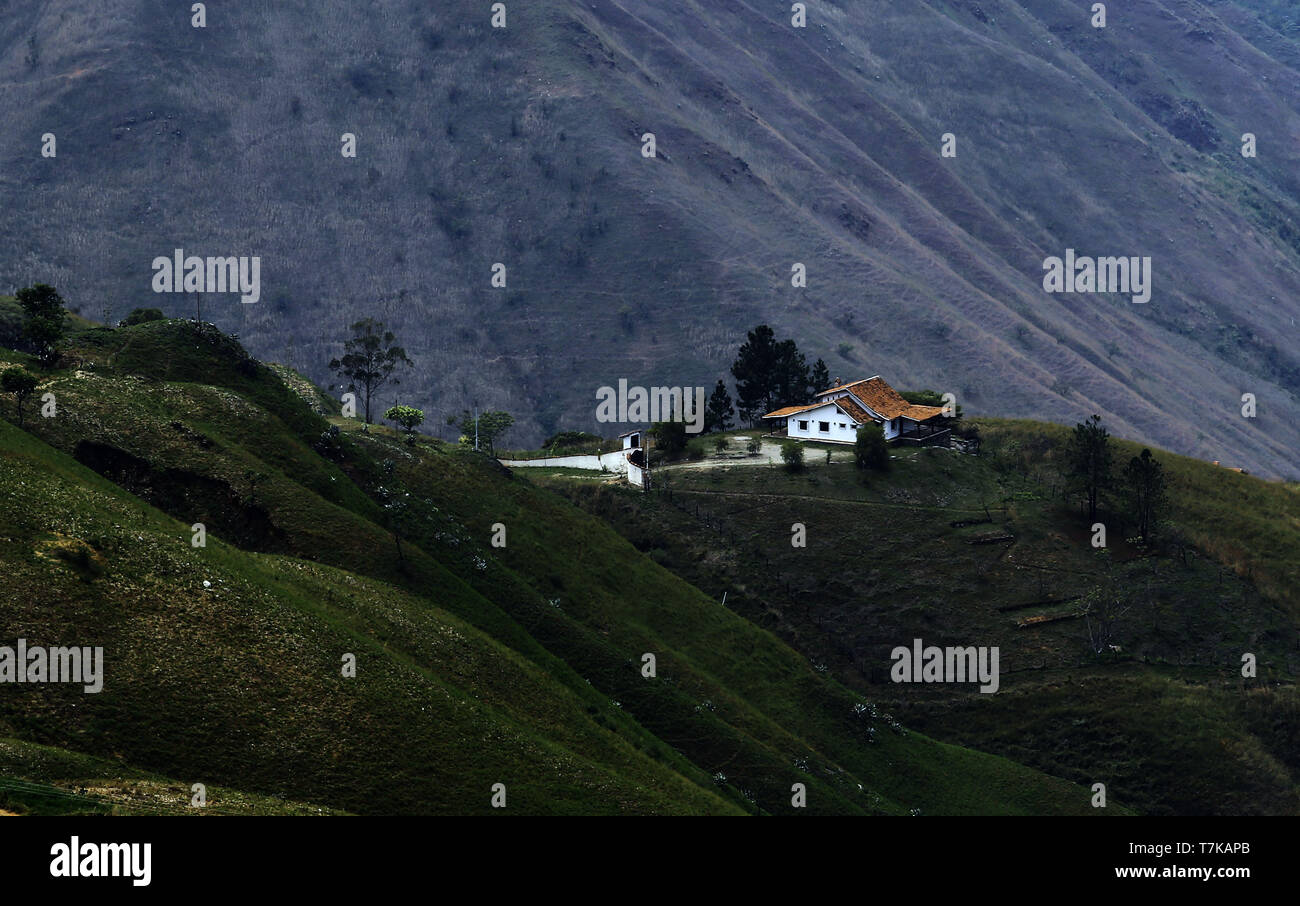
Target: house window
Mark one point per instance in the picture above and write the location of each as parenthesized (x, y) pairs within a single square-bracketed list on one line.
[(824, 426), (803, 425)]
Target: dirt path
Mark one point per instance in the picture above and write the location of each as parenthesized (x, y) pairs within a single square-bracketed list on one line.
[(768, 454)]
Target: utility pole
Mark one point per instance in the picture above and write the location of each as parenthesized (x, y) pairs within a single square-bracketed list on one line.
[(475, 426)]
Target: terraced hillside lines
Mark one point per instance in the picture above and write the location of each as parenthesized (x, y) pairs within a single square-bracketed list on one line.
[(818, 145)]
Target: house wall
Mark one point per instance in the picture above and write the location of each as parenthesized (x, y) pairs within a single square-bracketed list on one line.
[(828, 413)]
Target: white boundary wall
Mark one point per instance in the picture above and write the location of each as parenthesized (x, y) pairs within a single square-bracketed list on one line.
[(609, 462)]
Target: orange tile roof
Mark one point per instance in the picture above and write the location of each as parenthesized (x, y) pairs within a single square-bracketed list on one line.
[(847, 405), (886, 402), (921, 413), (842, 387), (791, 410), (871, 393), (856, 412)]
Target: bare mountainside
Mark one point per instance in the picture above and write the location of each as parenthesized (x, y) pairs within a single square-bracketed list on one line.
[(776, 145)]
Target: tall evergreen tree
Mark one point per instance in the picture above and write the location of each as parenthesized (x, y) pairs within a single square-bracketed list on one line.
[(1145, 478), (769, 374), (821, 378), (792, 377), (719, 412), (1088, 461), (754, 371)]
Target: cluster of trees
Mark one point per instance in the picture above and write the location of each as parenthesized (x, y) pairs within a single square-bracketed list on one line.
[(1141, 484), (769, 373), (772, 373)]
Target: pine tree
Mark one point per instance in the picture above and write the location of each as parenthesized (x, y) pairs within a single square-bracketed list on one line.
[(1088, 459), (821, 378), (1145, 478), (792, 377), (719, 412), (754, 371)]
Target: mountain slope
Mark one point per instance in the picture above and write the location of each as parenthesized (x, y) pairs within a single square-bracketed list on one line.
[(776, 145)]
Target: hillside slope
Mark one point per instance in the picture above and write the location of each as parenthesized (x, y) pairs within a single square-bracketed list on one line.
[(776, 145), (957, 549), (476, 665)]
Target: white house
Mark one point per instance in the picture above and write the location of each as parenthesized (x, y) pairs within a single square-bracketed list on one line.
[(631, 440), (837, 413)]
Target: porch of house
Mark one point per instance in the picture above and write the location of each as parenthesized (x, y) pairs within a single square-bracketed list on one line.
[(920, 434)]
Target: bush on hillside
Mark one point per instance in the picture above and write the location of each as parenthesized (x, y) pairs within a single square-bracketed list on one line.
[(792, 455), (143, 315), (871, 450)]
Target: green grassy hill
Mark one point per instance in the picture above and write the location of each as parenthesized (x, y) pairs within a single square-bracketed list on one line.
[(960, 549), (476, 665)]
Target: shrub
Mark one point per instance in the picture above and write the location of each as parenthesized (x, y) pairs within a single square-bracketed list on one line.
[(871, 451), (142, 315), (670, 438), (571, 439), (792, 456), (408, 418), (329, 444)]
